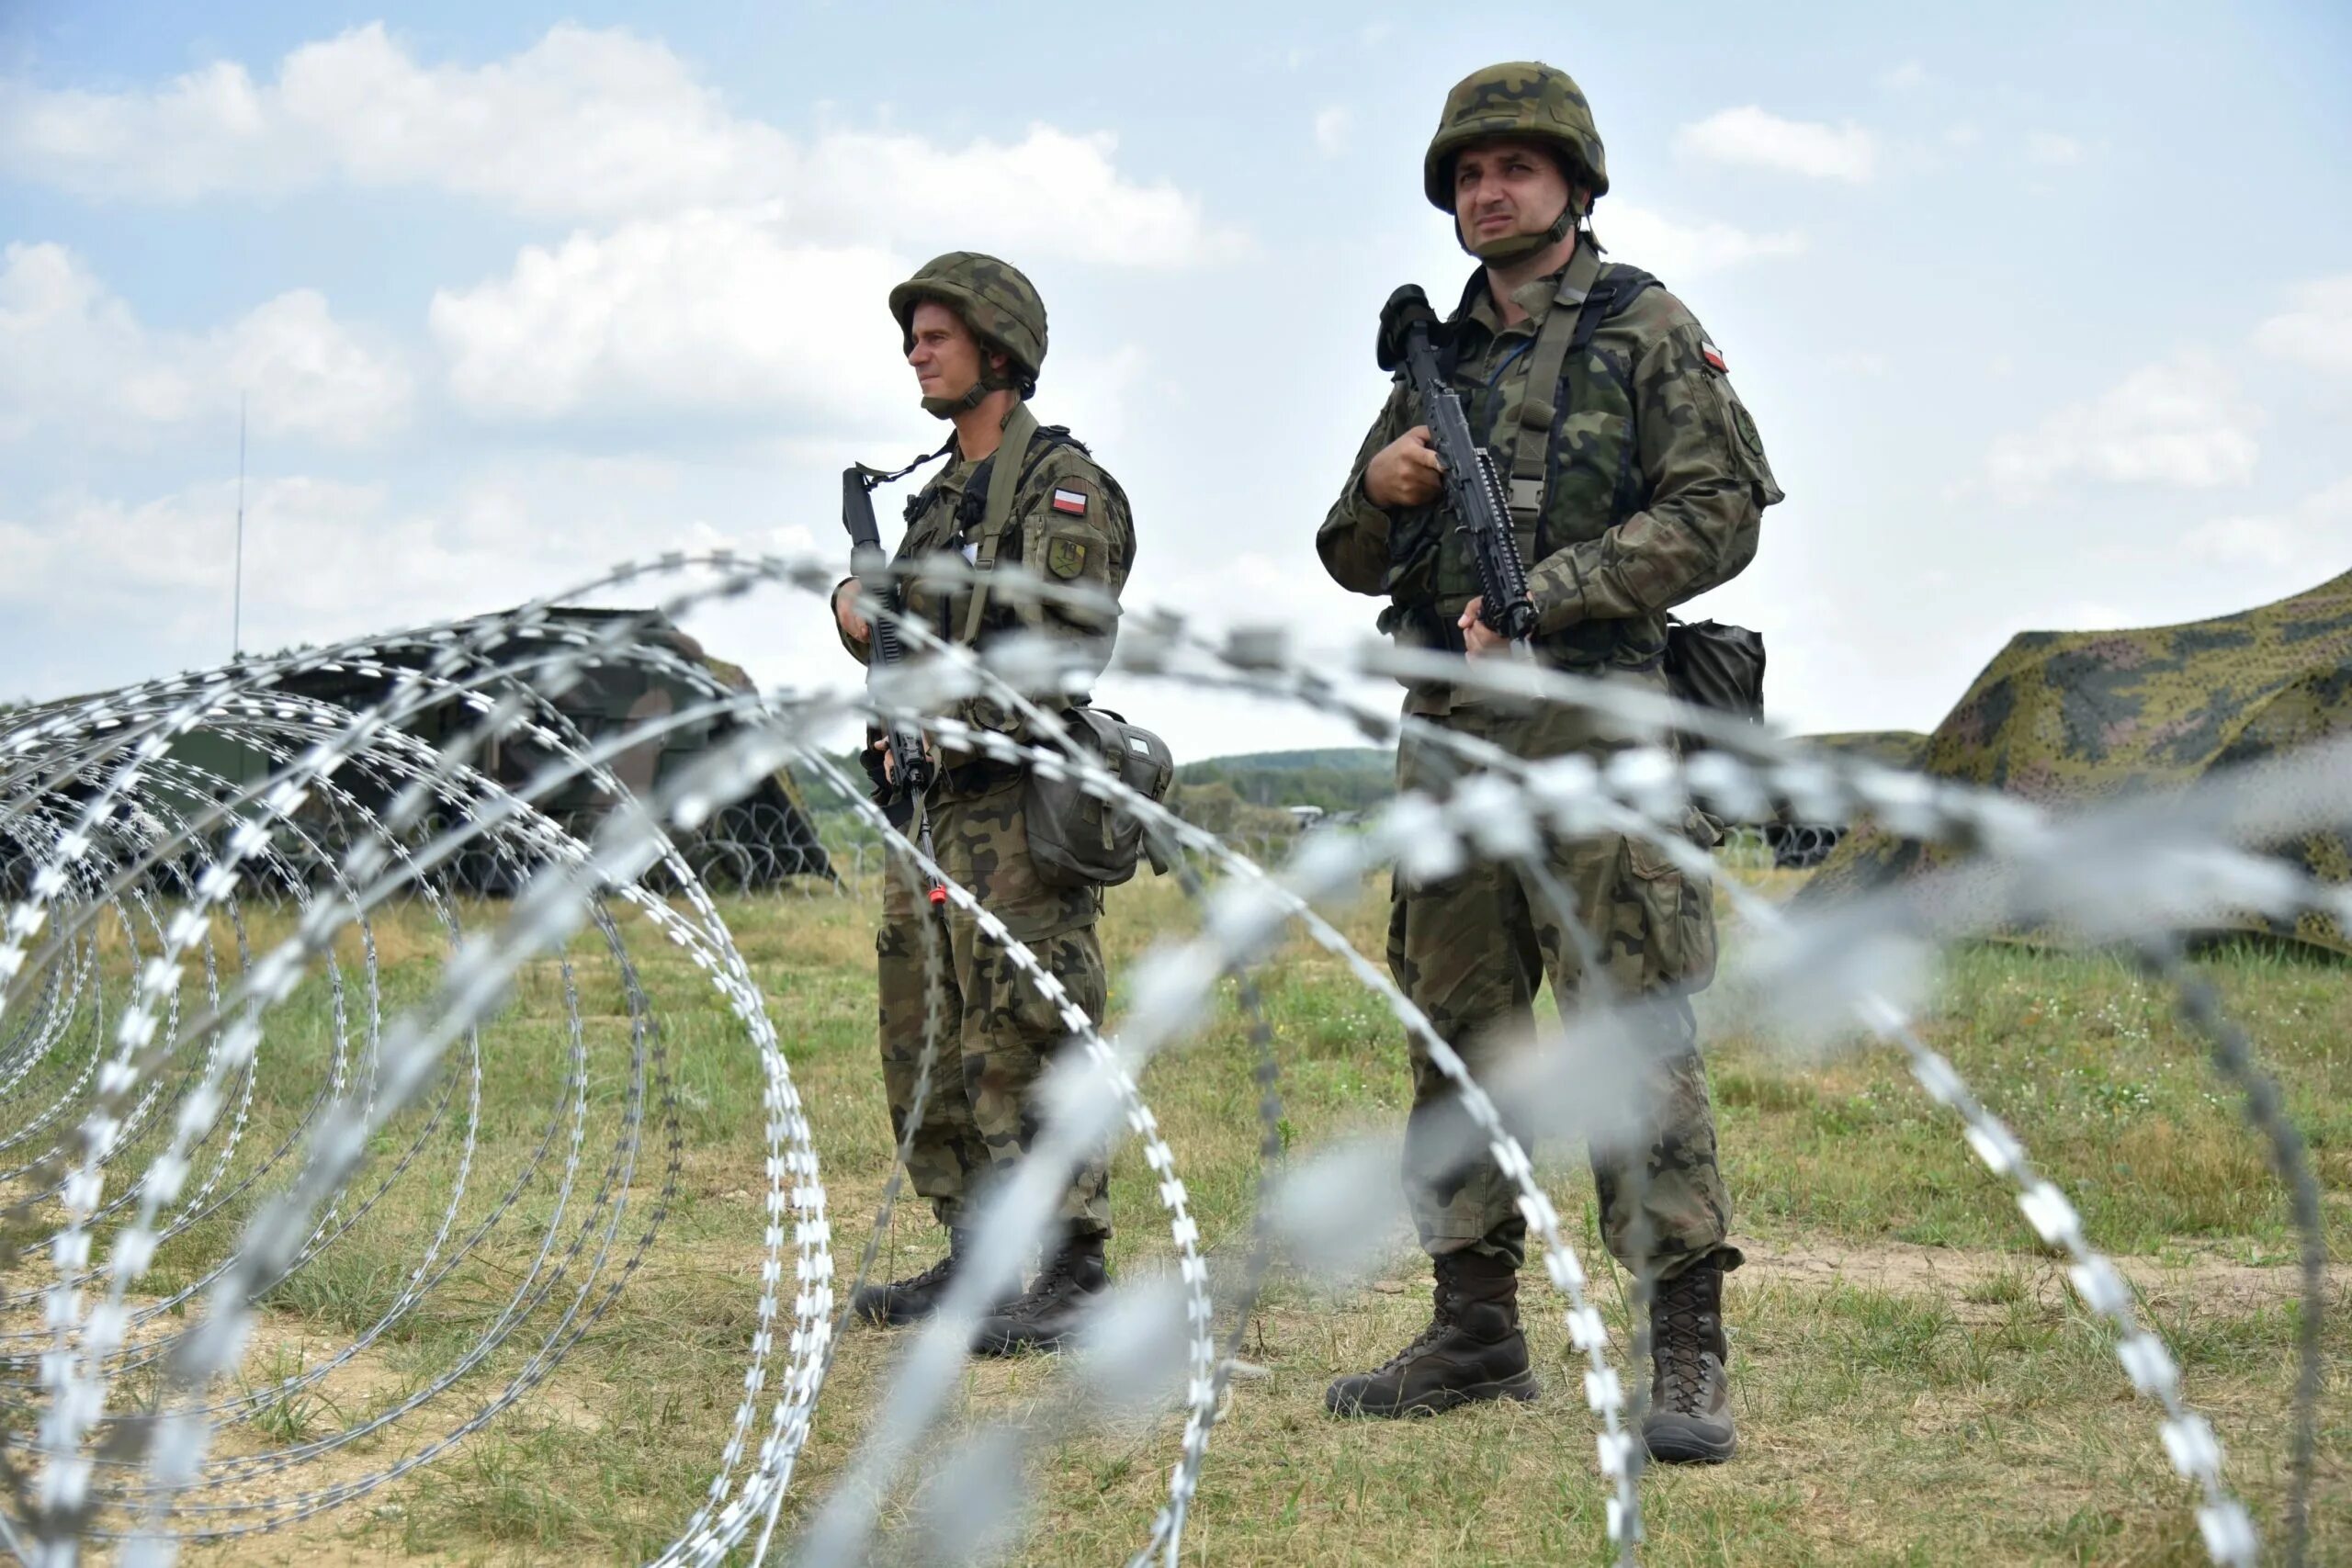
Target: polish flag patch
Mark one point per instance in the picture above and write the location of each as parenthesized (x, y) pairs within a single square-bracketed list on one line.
[(1070, 501), (1713, 356)]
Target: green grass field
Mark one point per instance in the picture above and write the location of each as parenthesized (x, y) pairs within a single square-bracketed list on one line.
[(1914, 1381)]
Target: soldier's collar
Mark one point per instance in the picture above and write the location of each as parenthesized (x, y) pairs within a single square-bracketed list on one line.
[(1537, 296)]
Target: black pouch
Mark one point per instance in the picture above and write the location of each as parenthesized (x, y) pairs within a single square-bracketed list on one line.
[(1711, 665), (1078, 840)]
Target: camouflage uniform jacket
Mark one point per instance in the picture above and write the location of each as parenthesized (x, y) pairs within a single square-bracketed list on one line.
[(1655, 482), (1069, 525)]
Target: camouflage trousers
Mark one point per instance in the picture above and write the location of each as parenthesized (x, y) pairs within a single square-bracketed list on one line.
[(996, 1033), (1472, 950)]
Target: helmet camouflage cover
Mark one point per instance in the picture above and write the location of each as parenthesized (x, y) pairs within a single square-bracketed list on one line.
[(1000, 305), (1522, 98)]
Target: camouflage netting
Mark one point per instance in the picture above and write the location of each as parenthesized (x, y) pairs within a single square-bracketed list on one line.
[(2068, 719), (1896, 748), (761, 839)]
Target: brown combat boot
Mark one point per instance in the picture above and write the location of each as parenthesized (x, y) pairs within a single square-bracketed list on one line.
[(1689, 1415), (1054, 1305), (1471, 1351), (901, 1301)]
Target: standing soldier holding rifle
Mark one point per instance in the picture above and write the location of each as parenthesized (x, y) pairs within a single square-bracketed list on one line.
[(1013, 491), (1629, 479)]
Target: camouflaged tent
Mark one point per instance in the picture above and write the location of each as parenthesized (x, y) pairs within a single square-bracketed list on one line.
[(759, 840), (1798, 843), (2068, 719), (1895, 747)]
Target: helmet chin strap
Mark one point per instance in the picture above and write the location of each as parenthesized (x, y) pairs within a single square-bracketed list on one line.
[(1508, 248), (948, 407), (987, 381)]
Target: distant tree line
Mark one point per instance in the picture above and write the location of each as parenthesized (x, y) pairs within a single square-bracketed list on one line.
[(1350, 778), (1238, 797)]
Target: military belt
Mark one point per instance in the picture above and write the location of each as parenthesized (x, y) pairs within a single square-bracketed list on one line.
[(1426, 627), (975, 777)]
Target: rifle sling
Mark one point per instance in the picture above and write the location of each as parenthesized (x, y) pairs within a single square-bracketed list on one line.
[(1565, 331), (1005, 468)]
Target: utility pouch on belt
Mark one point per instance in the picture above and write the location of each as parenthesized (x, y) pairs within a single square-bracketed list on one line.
[(1711, 665), (1077, 841)]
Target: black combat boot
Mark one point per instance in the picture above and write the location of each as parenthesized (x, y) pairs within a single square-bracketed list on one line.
[(1471, 1351), (1690, 1417), (910, 1300), (1054, 1305)]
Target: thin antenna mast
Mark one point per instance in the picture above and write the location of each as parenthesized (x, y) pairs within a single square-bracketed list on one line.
[(237, 593)]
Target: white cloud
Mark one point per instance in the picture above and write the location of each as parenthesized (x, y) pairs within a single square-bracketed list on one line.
[(2052, 150), (1904, 77), (1749, 137), (1676, 250), (1052, 193), (1962, 135), (710, 314), (325, 558), (1332, 128), (2181, 424), (76, 361), (2316, 531), (585, 124), (708, 311), (2317, 330), (582, 120)]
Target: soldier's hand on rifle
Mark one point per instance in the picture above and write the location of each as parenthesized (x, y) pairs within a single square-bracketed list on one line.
[(890, 757), (1406, 472), (854, 627), (1478, 638)]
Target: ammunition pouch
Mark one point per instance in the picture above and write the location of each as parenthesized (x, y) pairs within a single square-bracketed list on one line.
[(1077, 839), (1422, 627), (1711, 665)]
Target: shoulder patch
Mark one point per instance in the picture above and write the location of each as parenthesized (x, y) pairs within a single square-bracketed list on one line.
[(1069, 503), (1066, 556)]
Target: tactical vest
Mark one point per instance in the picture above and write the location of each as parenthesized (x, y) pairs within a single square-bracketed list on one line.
[(1571, 462), (983, 518)]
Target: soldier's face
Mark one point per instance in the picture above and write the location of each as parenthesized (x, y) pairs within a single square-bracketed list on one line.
[(1502, 188), (946, 357)]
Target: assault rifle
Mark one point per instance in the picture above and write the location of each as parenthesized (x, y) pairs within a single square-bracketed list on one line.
[(911, 764), (1473, 493)]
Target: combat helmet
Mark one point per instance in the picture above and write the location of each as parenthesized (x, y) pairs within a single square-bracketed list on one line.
[(1522, 98), (1000, 305)]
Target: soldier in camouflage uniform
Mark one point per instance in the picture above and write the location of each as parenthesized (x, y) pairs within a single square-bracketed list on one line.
[(1013, 492), (1636, 480)]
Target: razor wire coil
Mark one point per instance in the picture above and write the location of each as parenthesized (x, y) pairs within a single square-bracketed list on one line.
[(129, 1102)]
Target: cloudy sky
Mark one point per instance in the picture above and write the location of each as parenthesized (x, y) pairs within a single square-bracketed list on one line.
[(2044, 311)]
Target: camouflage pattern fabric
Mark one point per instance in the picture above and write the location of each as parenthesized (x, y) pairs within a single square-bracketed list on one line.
[(999, 1032), (1091, 547), (1006, 1032), (945, 1157), (1655, 484), (2070, 718), (994, 297), (1472, 950), (1521, 99), (1895, 747), (603, 700)]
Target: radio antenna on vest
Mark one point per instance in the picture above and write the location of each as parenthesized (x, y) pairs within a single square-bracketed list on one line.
[(237, 589)]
